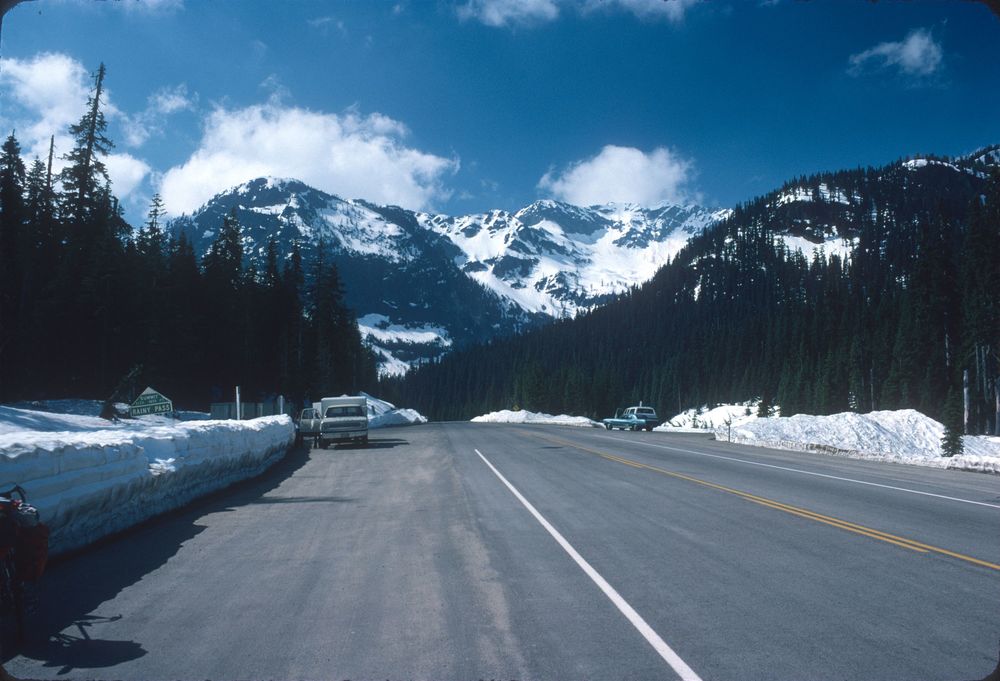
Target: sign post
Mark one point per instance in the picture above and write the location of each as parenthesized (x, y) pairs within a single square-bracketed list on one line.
[(150, 402)]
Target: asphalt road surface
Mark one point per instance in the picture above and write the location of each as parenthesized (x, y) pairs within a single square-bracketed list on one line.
[(466, 551)]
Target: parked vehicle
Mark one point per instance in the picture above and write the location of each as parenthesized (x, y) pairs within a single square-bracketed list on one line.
[(345, 419), (633, 418), (309, 424), (24, 550)]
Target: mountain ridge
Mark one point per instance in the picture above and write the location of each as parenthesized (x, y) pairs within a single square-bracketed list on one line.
[(425, 283), (422, 283)]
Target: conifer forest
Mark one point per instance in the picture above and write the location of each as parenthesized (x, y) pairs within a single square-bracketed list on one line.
[(900, 322), (85, 297), (907, 317)]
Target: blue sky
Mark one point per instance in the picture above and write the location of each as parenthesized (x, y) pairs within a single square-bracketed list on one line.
[(478, 104)]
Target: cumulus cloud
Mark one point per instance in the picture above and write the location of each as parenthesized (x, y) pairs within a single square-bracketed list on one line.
[(126, 172), (918, 55), (349, 154), (502, 13), (49, 92), (622, 175)]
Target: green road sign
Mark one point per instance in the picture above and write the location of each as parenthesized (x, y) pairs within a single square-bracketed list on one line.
[(150, 402)]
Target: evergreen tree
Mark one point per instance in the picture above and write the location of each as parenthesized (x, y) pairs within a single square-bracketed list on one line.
[(12, 259), (86, 172), (223, 287), (951, 443)]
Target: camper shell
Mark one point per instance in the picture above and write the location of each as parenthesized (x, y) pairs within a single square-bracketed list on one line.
[(344, 419)]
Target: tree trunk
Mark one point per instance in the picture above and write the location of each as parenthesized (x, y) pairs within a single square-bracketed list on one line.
[(996, 414), (965, 397)]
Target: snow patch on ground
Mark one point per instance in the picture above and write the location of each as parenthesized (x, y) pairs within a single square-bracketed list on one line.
[(703, 419), (90, 477), (382, 414), (904, 436), (522, 416)]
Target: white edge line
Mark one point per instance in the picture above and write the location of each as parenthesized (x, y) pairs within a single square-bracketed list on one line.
[(799, 470), (661, 647)]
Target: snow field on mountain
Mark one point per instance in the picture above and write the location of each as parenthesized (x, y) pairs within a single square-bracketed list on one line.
[(522, 416), (90, 478), (839, 247), (904, 436), (627, 244), (379, 330)]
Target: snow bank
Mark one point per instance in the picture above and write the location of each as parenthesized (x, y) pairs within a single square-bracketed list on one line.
[(522, 416), (93, 408), (700, 420), (904, 436), (382, 414), (90, 478)]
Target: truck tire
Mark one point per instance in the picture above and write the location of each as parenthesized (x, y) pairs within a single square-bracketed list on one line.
[(649, 429), (608, 426)]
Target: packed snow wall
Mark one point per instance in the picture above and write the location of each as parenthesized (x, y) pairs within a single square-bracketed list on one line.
[(90, 484)]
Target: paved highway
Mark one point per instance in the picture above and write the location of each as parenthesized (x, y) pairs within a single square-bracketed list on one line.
[(464, 551)]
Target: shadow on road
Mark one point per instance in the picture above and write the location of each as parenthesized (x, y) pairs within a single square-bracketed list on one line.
[(80, 650), (76, 584), (305, 500), (374, 443)]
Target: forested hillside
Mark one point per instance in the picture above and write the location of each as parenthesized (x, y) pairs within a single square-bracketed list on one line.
[(892, 323), (84, 297)]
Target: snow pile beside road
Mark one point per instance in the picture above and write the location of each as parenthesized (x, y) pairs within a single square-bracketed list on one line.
[(522, 416), (904, 436), (382, 414), (93, 408), (90, 478), (700, 420)]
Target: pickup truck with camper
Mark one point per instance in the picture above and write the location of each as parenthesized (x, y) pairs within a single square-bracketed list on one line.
[(345, 419), (633, 418)]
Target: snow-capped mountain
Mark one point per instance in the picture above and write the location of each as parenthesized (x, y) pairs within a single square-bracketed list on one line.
[(424, 283), (556, 259), (421, 283), (827, 210)]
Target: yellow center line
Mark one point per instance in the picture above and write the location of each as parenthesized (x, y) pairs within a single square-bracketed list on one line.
[(902, 542)]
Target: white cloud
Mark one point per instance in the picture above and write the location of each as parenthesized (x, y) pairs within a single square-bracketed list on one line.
[(150, 122), (917, 55), (672, 10), (502, 13), (622, 175), (348, 154), (50, 92), (325, 23), (170, 100), (509, 12), (151, 5), (126, 172)]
